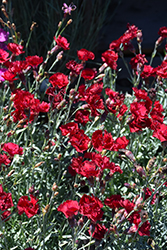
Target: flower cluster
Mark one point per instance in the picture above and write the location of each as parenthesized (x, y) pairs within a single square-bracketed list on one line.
[(106, 150)]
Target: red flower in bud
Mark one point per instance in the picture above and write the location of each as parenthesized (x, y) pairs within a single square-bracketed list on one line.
[(59, 80), (84, 55), (62, 42), (69, 208), (15, 48)]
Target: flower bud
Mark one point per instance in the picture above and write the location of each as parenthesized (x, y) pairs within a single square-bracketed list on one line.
[(11, 172), (54, 187), (69, 22), (38, 164), (31, 190), (33, 26), (56, 193)]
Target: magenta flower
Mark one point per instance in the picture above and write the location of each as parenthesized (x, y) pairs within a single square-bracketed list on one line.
[(3, 35), (67, 9), (2, 70)]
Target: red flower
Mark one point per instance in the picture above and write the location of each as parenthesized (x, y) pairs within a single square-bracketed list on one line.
[(163, 32), (115, 102), (69, 208), (74, 67), (125, 39), (148, 193), (97, 140), (91, 207), (162, 70), (114, 201), (55, 99), (88, 74), (147, 71), (26, 106), (110, 57), (102, 140), (62, 42), (44, 107), (95, 103), (15, 48), (156, 115), (161, 132), (82, 116), (4, 215), (69, 128), (115, 44), (12, 149), (138, 61), (140, 120), (144, 230), (98, 231), (120, 143), (59, 80), (140, 94), (128, 205), (3, 56), (5, 200), (16, 67), (84, 55), (8, 76), (29, 207), (4, 159), (85, 168), (34, 61), (103, 162), (122, 110), (79, 140)]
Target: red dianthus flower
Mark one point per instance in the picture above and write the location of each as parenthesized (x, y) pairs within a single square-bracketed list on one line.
[(29, 207), (69, 208), (84, 55), (62, 42)]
